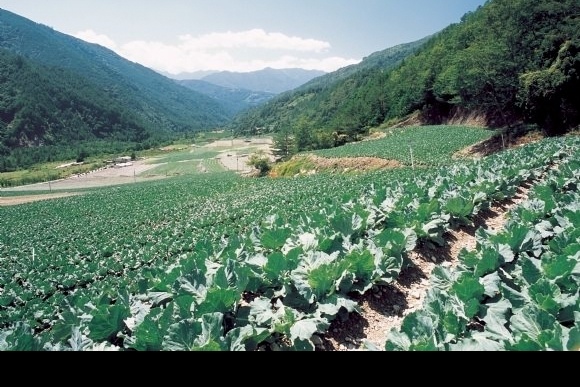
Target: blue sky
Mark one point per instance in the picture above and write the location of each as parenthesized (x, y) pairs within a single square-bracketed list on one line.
[(184, 36)]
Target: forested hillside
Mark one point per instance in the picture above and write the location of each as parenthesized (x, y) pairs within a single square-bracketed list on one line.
[(47, 113), (331, 102), (509, 61), (147, 105)]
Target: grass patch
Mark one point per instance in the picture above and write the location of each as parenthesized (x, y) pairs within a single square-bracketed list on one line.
[(47, 172), (188, 155), (296, 166)]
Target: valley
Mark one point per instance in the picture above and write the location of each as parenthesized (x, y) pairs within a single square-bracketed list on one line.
[(424, 198)]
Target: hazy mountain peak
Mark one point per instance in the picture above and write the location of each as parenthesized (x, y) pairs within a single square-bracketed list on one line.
[(267, 80)]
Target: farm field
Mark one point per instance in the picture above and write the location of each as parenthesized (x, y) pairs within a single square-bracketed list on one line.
[(217, 156), (418, 145), (215, 261)]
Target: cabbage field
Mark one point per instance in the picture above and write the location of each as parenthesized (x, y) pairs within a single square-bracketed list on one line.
[(218, 262), (416, 145)]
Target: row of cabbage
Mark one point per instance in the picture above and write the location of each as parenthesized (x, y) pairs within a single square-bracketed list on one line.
[(279, 281), (52, 252), (519, 289)]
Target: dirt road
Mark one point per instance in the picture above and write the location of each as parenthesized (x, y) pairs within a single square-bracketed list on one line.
[(233, 156), (15, 200), (238, 152), (99, 178)]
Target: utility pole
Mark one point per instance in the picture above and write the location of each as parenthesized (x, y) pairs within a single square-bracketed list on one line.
[(412, 161)]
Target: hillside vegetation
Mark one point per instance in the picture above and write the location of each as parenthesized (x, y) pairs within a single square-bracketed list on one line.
[(61, 91), (329, 102), (51, 114), (508, 62)]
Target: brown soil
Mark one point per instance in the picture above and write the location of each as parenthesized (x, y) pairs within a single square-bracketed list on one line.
[(384, 308), (375, 136), (498, 143), (348, 164), (412, 120), (355, 163), (468, 119), (238, 152), (16, 200)]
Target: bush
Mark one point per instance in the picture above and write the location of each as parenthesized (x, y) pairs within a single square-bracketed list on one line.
[(261, 162)]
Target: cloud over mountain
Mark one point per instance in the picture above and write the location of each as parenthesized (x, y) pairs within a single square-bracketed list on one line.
[(242, 51)]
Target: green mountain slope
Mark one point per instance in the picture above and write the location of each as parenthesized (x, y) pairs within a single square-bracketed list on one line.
[(507, 62), (324, 101), (510, 60), (48, 114), (155, 103)]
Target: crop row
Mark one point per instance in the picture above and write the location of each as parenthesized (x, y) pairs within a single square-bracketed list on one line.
[(518, 290), (227, 267)]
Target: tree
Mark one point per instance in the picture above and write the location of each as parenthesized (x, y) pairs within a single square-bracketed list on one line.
[(83, 154), (261, 162), (302, 135), (284, 142), (549, 97)]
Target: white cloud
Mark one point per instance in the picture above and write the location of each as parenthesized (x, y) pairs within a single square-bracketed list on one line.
[(256, 38), (92, 37), (230, 51)]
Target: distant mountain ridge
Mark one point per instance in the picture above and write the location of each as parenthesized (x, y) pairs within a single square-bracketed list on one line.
[(324, 101), (198, 75), (239, 92), (268, 80), (235, 100)]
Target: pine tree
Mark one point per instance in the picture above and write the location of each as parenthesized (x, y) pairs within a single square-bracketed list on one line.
[(284, 143)]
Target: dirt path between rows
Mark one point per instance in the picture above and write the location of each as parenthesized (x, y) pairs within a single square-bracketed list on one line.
[(384, 308)]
